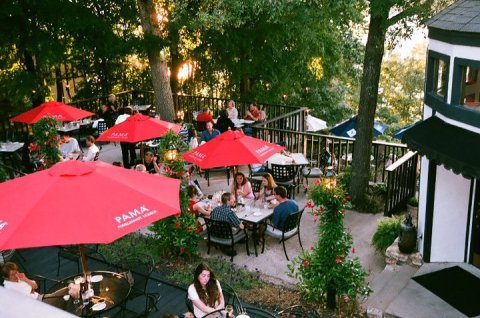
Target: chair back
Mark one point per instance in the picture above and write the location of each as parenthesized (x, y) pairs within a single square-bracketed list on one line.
[(96, 156), (200, 125), (283, 173), (256, 184), (292, 221), (219, 229), (102, 126)]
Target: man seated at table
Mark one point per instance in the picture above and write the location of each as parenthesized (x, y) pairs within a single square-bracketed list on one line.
[(224, 212), (209, 133), (68, 145), (282, 210), (92, 149), (18, 281), (205, 116)]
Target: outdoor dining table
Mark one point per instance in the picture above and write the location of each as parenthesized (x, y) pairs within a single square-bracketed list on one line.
[(254, 215), (109, 288), (7, 150)]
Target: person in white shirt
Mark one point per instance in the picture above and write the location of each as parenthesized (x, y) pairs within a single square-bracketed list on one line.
[(232, 111), (92, 149), (18, 281), (68, 145), (205, 292)]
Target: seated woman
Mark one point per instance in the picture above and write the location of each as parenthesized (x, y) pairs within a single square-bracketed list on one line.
[(266, 192), (241, 187), (194, 207), (205, 292), (18, 281)]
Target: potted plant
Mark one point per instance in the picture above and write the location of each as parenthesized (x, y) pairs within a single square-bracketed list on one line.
[(412, 207)]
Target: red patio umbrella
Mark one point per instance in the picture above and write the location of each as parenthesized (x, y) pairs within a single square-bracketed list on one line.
[(77, 202), (138, 128), (231, 148), (57, 110)]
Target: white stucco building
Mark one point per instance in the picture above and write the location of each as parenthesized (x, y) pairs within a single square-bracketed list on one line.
[(449, 138)]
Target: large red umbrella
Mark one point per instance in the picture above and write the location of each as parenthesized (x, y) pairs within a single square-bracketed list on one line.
[(138, 128), (77, 202), (57, 110), (231, 148)]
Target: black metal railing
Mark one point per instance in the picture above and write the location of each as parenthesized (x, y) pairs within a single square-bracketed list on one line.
[(401, 184), (288, 129)]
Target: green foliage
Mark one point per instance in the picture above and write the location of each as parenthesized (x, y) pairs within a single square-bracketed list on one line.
[(134, 246), (3, 175), (329, 266), (225, 271), (343, 179), (387, 231), (176, 235), (413, 201), (45, 137)]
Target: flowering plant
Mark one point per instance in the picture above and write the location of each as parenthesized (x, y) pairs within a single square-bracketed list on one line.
[(329, 268), (176, 235), (45, 147)]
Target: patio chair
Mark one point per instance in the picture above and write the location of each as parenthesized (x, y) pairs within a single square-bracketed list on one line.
[(256, 184), (221, 233), (291, 227), (252, 173), (97, 155), (255, 312), (284, 175), (225, 170), (311, 171), (138, 271), (71, 253)]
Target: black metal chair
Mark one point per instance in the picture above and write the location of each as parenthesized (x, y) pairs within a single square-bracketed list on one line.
[(256, 184), (138, 270), (311, 171), (225, 170), (97, 155), (71, 253), (221, 233), (252, 173), (284, 175), (254, 312), (291, 227)]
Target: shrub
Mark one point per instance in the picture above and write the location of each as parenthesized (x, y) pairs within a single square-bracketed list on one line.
[(343, 179), (386, 233), (329, 267), (413, 201), (45, 137)]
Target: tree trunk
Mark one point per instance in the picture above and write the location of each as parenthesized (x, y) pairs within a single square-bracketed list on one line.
[(372, 65), (158, 67)]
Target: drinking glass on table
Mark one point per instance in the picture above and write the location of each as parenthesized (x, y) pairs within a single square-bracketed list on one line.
[(229, 310)]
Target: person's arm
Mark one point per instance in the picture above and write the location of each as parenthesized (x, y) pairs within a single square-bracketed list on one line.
[(247, 190), (221, 299), (193, 296), (31, 283), (199, 209), (235, 221), (89, 155)]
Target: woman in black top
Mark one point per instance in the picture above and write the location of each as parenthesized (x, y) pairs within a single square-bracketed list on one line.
[(223, 122)]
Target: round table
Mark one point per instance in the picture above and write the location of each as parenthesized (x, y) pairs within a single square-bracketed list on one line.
[(113, 289)]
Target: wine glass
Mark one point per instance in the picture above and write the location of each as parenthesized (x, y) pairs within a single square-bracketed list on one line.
[(229, 310)]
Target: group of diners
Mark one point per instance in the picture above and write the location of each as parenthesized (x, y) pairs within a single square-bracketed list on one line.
[(69, 148), (269, 195)]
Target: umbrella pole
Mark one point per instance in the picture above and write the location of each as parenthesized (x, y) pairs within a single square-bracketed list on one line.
[(83, 260)]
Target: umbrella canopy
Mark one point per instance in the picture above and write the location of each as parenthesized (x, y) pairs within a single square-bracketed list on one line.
[(137, 128), (399, 133), (57, 110), (348, 128), (231, 148), (314, 123), (77, 202)]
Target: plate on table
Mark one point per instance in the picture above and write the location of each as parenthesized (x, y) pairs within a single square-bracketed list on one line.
[(257, 214), (99, 306), (243, 316), (96, 278)]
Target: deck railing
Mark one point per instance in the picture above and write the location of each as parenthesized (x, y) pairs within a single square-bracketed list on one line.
[(289, 129), (402, 181)]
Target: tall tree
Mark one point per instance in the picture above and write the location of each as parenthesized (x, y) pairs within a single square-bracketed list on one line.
[(398, 17), (153, 31)]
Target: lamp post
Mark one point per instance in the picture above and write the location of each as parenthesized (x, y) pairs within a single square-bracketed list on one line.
[(171, 154), (330, 179)]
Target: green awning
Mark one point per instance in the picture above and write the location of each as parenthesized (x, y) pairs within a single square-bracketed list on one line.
[(455, 148)]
